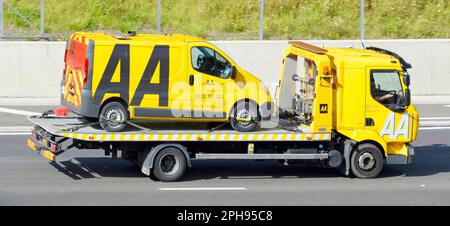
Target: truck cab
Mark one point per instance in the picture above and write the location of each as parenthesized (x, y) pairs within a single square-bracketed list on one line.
[(361, 95)]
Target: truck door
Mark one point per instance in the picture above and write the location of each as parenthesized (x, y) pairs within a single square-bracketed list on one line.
[(384, 99), (208, 74)]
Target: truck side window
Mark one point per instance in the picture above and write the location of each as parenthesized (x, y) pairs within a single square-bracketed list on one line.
[(386, 87), (210, 62)]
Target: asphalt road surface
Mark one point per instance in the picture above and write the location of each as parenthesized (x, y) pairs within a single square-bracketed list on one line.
[(89, 178)]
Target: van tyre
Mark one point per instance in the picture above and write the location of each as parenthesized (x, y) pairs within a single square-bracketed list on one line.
[(113, 117), (366, 161), (170, 165), (247, 111)]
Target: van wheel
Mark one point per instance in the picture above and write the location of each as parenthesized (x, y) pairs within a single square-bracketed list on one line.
[(170, 165), (366, 161), (114, 115), (244, 117)]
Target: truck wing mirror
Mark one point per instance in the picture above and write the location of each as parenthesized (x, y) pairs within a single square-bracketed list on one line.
[(406, 78), (407, 97), (295, 77)]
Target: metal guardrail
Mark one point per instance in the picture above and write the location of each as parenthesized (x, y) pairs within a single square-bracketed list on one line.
[(25, 19)]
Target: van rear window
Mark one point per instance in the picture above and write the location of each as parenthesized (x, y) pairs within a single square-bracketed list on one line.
[(76, 54)]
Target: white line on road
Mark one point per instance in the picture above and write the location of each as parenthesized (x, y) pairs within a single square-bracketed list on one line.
[(18, 112), (448, 106), (204, 189), (434, 118), (11, 129), (433, 128), (14, 134)]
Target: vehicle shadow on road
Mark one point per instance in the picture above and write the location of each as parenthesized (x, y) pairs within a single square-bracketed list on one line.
[(429, 160), (96, 167), (250, 169)]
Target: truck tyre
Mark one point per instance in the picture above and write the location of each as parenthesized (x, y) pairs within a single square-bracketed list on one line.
[(244, 110), (366, 161), (170, 165), (116, 114)]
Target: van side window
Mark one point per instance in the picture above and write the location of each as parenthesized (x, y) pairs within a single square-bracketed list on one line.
[(210, 62)]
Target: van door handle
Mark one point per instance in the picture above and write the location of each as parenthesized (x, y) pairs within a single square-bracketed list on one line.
[(191, 80)]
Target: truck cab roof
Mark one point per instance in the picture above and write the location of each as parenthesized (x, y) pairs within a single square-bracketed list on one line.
[(359, 58), (349, 57)]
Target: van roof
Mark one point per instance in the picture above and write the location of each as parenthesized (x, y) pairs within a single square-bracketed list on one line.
[(103, 36)]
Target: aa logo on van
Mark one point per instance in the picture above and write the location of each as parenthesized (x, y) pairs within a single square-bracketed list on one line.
[(390, 129), (121, 55)]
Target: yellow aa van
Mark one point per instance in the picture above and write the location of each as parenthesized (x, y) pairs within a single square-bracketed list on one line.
[(116, 78)]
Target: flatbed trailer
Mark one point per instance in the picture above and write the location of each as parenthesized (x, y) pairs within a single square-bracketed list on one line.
[(166, 153)]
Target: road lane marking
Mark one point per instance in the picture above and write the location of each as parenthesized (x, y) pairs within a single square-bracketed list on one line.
[(434, 124), (18, 112), (448, 106), (10, 129), (14, 134), (204, 189), (433, 128), (434, 118)]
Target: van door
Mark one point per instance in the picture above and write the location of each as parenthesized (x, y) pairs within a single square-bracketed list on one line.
[(384, 97), (75, 72), (208, 74)]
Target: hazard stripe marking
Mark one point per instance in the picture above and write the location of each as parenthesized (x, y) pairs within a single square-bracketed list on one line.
[(200, 137)]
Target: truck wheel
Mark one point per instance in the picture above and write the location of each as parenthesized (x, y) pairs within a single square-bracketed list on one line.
[(116, 114), (170, 165), (244, 117), (366, 161)]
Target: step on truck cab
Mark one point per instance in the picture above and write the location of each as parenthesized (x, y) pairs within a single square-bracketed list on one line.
[(342, 108), (113, 78)]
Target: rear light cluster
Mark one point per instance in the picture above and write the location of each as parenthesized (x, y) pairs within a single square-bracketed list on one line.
[(49, 144), (86, 70), (53, 146), (65, 62)]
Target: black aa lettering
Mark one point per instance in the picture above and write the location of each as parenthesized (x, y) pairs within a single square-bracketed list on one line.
[(160, 55), (120, 53)]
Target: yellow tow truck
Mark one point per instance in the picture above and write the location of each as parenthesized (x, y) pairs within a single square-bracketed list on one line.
[(342, 108)]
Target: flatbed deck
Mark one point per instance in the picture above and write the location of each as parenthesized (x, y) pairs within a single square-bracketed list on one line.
[(58, 126)]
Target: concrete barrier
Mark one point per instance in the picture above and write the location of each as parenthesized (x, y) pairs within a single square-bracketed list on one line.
[(34, 69)]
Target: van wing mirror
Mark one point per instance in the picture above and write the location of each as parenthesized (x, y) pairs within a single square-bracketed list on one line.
[(233, 72), (295, 77)]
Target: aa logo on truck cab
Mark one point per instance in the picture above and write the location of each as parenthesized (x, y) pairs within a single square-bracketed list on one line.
[(323, 108), (394, 132), (121, 54)]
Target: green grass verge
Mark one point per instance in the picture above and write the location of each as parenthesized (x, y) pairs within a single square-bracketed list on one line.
[(239, 19)]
